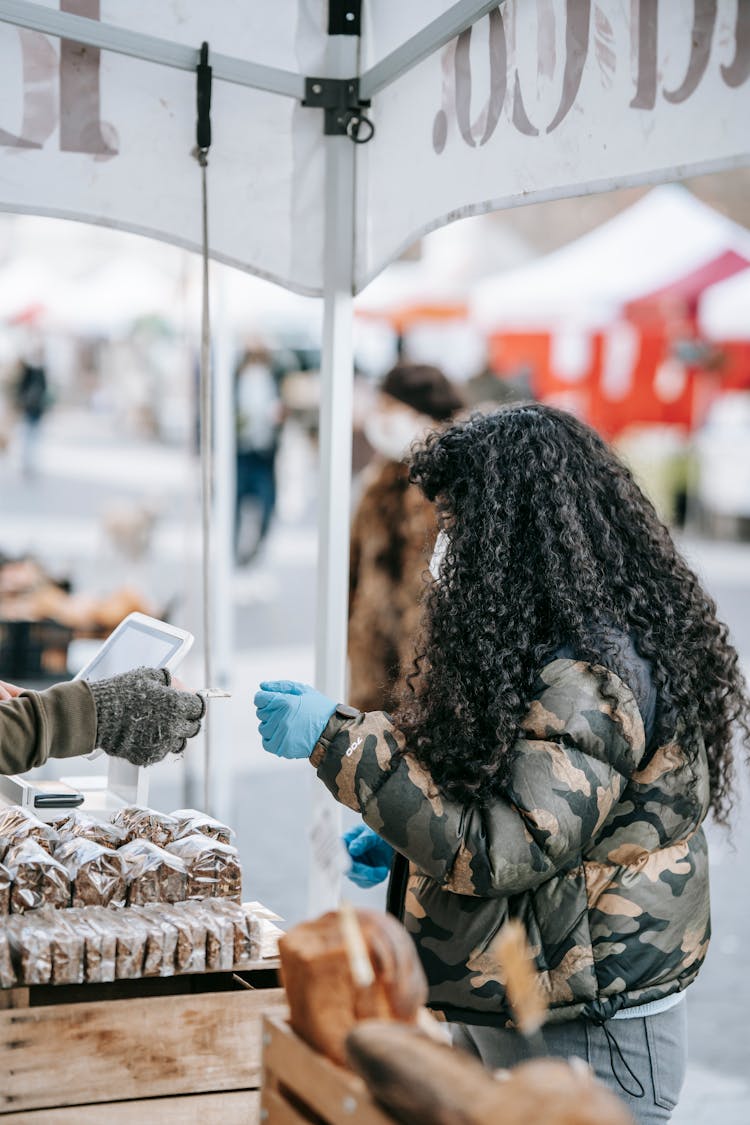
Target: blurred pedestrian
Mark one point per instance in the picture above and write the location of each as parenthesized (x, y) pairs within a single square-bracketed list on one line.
[(259, 420), (570, 729), (393, 535), (31, 399)]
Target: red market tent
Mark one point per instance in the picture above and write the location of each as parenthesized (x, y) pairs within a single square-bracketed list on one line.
[(607, 325)]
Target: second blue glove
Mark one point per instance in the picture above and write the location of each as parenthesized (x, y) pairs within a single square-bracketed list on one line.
[(370, 855), (292, 717)]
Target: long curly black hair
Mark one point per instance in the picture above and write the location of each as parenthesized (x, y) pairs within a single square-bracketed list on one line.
[(549, 537)]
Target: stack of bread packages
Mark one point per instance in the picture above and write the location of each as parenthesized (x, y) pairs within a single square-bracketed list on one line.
[(356, 992), (145, 894)]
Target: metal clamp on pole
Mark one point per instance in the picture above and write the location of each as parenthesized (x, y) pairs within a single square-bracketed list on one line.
[(203, 123), (344, 17), (344, 108)]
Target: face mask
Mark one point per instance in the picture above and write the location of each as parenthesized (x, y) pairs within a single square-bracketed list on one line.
[(391, 434), (436, 562)]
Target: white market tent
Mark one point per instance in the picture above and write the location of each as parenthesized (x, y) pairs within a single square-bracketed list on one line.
[(424, 300), (724, 310), (665, 236), (476, 106), (57, 277)]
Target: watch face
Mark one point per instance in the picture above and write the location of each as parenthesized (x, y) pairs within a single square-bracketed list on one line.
[(346, 712)]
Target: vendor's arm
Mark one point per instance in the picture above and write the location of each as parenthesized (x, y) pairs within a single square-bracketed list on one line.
[(581, 741), (136, 716), (57, 723)]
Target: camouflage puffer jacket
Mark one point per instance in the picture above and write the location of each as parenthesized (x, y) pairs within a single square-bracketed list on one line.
[(597, 848)]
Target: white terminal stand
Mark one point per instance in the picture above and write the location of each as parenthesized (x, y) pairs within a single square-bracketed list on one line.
[(137, 641)]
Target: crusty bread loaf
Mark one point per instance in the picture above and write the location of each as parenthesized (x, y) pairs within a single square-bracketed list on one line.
[(421, 1082), (325, 1001)]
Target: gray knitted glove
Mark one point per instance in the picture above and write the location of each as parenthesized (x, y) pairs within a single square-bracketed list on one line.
[(140, 718)]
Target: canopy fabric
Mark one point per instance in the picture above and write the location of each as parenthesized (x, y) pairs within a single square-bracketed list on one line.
[(540, 99), (435, 285), (681, 297), (724, 310), (666, 237)]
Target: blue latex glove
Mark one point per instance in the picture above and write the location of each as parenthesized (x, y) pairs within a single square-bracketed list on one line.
[(292, 717), (371, 857)]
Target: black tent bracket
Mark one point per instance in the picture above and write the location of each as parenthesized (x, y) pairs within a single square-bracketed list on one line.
[(340, 100)]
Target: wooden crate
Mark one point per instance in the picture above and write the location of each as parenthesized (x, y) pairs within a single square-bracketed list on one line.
[(181, 1050), (301, 1087)]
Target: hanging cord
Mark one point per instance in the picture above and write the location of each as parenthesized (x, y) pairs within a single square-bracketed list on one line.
[(612, 1043), (203, 144)]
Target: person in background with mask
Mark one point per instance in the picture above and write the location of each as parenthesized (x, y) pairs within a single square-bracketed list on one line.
[(393, 536)]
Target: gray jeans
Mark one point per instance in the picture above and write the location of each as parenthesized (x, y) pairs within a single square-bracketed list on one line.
[(654, 1047)]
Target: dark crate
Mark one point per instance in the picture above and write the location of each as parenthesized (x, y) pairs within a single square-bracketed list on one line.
[(34, 650)]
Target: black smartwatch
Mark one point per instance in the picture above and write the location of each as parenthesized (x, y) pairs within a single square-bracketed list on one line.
[(344, 711)]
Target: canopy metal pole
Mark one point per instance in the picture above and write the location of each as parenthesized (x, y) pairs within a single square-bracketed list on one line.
[(225, 447), (430, 39), (150, 48), (241, 72), (334, 481)]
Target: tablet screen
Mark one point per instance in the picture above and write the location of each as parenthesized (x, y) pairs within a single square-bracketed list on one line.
[(137, 646)]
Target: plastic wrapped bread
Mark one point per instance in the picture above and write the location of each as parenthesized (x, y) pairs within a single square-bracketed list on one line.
[(264, 929), (99, 942), (29, 940), (81, 825), (17, 825), (190, 821), (190, 950), (145, 824), (161, 940), (97, 874), (7, 973), (38, 878), (213, 869), (132, 936), (66, 948), (6, 883), (153, 874), (245, 929), (219, 938)]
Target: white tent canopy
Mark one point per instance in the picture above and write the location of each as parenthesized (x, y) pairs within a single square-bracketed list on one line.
[(724, 310), (541, 99), (665, 235), (451, 261), (473, 111)]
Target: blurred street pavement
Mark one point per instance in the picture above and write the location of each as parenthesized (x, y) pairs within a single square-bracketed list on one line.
[(86, 467)]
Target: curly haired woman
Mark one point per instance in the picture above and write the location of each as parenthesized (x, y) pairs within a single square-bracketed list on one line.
[(569, 728)]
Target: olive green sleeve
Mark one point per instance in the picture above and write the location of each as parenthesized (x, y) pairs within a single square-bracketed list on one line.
[(57, 723)]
